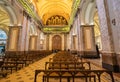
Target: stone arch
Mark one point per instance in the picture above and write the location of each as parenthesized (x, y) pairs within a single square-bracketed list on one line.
[(87, 12), (10, 11), (8, 17), (4, 20), (33, 30)]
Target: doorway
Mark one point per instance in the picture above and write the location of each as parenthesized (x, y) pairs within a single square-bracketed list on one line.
[(56, 42)]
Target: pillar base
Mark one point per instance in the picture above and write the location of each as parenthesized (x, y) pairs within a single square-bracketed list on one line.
[(109, 61), (114, 68), (89, 54), (118, 60)]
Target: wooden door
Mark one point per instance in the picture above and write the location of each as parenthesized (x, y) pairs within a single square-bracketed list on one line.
[(56, 42)]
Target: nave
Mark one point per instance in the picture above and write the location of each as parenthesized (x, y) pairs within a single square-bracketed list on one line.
[(27, 74)]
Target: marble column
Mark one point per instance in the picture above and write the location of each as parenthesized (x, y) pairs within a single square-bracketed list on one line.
[(23, 33), (38, 39), (47, 41), (65, 41), (13, 38), (89, 48), (109, 56), (33, 43), (26, 38)]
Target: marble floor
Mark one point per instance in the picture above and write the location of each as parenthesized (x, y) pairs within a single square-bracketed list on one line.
[(26, 74), (97, 64)]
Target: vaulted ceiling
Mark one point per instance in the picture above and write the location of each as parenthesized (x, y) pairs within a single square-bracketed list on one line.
[(49, 8), (46, 9)]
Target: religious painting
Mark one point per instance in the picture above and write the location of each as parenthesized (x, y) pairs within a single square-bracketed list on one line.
[(56, 20)]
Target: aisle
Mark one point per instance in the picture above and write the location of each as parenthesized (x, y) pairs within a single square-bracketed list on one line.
[(26, 74)]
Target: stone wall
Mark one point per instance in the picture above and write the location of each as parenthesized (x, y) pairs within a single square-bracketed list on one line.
[(109, 12), (103, 26), (116, 8)]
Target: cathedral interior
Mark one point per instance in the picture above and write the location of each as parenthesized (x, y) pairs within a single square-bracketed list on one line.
[(59, 40)]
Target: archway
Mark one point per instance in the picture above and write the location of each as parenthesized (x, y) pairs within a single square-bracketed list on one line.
[(4, 29), (56, 43), (89, 20), (8, 18), (9, 12), (33, 30), (89, 16), (97, 31)]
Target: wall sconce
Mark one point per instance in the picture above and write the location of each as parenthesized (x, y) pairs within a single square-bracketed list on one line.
[(114, 22)]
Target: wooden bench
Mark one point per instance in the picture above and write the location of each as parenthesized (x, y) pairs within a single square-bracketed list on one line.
[(65, 58), (4, 74), (86, 74), (67, 65), (9, 66), (62, 66)]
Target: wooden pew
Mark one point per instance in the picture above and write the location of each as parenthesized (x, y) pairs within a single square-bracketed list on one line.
[(15, 60), (67, 65), (4, 74), (64, 56), (9, 62), (86, 74), (64, 67)]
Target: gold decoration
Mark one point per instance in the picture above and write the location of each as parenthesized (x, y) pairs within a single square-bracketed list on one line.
[(56, 20)]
